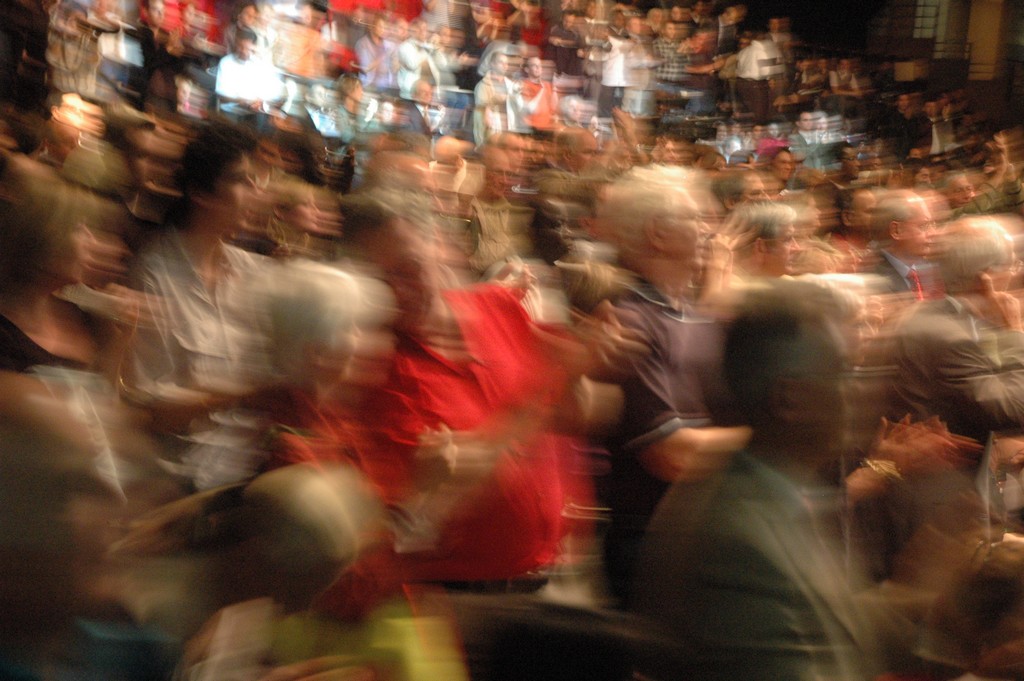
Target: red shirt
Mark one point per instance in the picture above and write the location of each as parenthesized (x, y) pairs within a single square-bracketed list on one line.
[(514, 522)]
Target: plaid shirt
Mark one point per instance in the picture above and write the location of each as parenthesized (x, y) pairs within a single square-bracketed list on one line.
[(673, 66)]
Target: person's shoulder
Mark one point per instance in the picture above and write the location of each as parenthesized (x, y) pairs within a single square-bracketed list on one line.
[(241, 258)]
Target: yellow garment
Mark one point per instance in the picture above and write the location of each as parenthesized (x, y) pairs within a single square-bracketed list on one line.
[(408, 647)]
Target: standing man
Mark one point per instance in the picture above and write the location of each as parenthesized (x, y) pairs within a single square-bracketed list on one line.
[(376, 56), (756, 65), (415, 59), (668, 429)]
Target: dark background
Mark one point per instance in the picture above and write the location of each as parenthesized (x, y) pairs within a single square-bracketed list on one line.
[(835, 24)]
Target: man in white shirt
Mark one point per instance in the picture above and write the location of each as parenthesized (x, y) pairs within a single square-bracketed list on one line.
[(415, 59), (242, 77), (756, 65)]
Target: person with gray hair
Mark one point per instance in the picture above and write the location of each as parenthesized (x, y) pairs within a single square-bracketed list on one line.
[(944, 359), (904, 228), (669, 428), (326, 327), (764, 238)]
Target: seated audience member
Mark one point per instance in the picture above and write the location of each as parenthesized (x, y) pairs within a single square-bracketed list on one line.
[(904, 228), (300, 49), (243, 77), (737, 187), (808, 143), (853, 234), (944, 364), (161, 55), (420, 114), (1000, 192)]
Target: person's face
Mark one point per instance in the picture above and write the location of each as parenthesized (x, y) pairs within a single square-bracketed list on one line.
[(915, 234), (778, 253), (407, 258), (157, 13), (774, 25), (850, 164), (420, 32), (683, 243), (305, 215), (858, 217), (676, 153), (232, 196), (355, 96), (378, 28), (676, 14), (534, 69), (700, 41), (248, 16), (903, 103), (423, 94), (670, 32), (498, 175), (499, 64), (266, 15), (583, 155), (400, 31), (783, 165), (960, 192), (244, 49), (923, 177), (753, 188), (806, 122)]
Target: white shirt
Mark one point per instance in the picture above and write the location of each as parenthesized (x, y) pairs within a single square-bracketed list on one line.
[(614, 71), (760, 60), (249, 81), (412, 58)]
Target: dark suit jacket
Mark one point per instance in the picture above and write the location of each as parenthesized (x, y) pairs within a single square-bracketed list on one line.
[(412, 120), (894, 281), (741, 573), (951, 366)]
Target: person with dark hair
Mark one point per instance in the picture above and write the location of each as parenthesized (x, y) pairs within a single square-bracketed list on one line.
[(744, 570), (243, 76), (197, 351), (44, 235)]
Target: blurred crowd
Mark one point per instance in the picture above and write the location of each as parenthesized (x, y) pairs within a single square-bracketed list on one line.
[(456, 341)]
